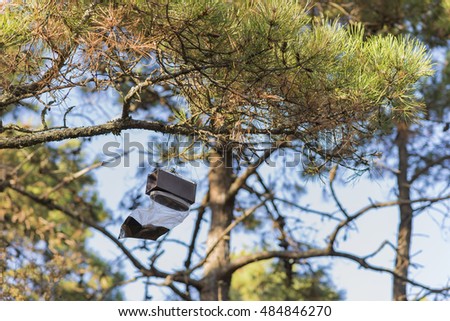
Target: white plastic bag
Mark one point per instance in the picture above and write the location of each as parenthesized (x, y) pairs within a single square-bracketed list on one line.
[(152, 222)]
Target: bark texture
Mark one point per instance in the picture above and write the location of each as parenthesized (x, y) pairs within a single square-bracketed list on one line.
[(215, 284), (402, 260)]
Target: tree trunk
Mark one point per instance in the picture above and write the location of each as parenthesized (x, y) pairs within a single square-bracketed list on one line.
[(215, 286), (402, 260)]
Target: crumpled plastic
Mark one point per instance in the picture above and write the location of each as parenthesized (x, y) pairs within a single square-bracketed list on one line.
[(152, 222)]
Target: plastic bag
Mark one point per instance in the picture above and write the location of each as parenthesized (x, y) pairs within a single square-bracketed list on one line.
[(152, 222)]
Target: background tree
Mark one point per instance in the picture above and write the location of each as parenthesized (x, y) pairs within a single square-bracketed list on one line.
[(417, 155), (268, 72), (45, 252)]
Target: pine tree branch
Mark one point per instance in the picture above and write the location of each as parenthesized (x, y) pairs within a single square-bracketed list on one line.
[(224, 234), (315, 253), (306, 209), (420, 171), (114, 127), (364, 210), (200, 213), (251, 169), (117, 126), (70, 178), (154, 80), (279, 221), (336, 200)]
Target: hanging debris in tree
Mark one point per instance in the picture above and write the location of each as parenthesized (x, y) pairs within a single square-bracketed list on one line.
[(170, 198)]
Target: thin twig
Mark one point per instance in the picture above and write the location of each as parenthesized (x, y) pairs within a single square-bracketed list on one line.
[(230, 227), (69, 179), (364, 210)]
